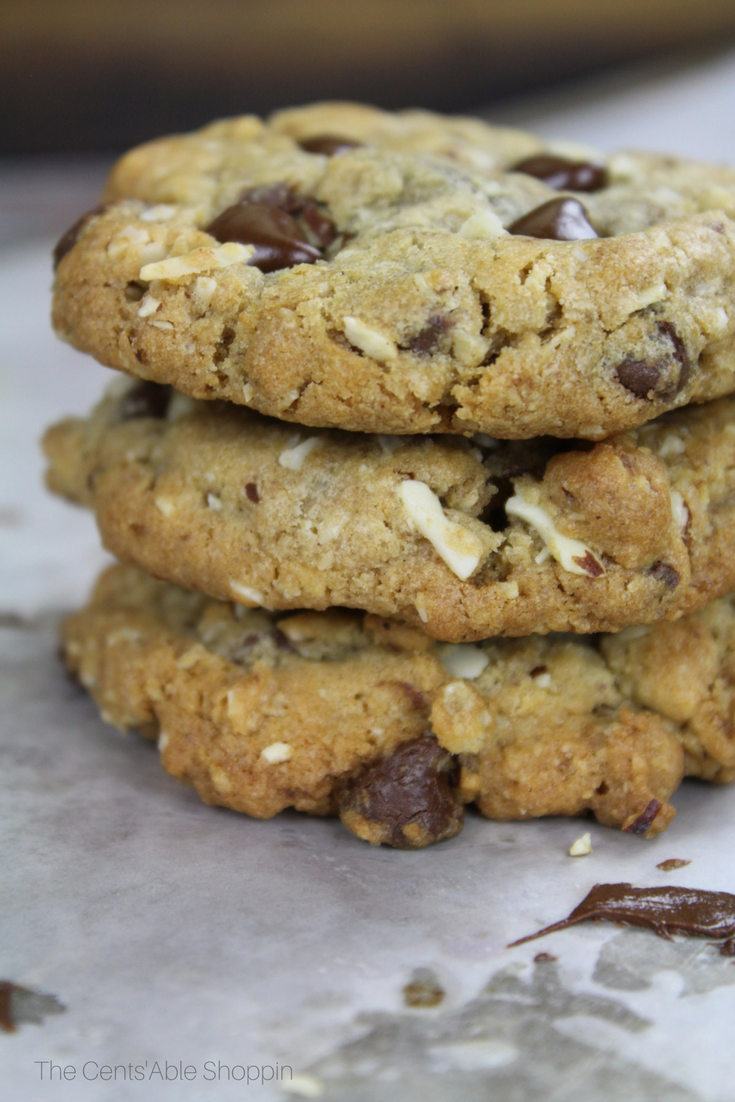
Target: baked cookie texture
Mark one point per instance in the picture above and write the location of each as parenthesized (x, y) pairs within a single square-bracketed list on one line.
[(465, 539), (392, 297), (350, 714)]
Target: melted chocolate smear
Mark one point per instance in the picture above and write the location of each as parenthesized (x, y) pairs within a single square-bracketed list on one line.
[(7, 1023), (645, 819), (562, 174), (328, 144), (21, 1004), (666, 911), (68, 240), (285, 228), (145, 400), (416, 784), (558, 220)]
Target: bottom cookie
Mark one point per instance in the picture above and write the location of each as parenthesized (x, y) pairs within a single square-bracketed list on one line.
[(345, 713)]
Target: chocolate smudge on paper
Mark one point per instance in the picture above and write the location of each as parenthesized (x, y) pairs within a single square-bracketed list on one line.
[(666, 910)]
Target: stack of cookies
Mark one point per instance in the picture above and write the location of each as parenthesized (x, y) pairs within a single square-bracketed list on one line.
[(422, 469)]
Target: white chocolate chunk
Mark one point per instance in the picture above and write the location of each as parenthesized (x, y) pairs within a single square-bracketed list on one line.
[(247, 595), (277, 752), (369, 341), (203, 291), (214, 502), (148, 306), (163, 325), (292, 458), (482, 226), (581, 847), (572, 554), (197, 261), (460, 549), (463, 660)]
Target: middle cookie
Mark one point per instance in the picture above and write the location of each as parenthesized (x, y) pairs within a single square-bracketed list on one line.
[(465, 538)]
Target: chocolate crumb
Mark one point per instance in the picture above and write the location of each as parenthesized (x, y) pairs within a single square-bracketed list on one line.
[(252, 492), (544, 958), (424, 990), (672, 863)]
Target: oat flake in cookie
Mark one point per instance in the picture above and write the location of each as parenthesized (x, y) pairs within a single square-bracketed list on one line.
[(466, 539), (343, 713), (340, 266)]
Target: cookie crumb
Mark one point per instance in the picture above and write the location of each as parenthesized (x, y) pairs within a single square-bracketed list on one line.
[(304, 1085), (581, 847), (672, 863)]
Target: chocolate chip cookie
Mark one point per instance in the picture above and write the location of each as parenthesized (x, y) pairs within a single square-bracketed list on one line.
[(342, 713), (341, 267), (464, 538)]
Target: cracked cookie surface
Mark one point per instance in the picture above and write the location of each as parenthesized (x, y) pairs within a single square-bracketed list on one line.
[(344, 713), (466, 539), (378, 289)]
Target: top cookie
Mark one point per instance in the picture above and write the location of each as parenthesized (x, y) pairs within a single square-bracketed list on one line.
[(339, 266)]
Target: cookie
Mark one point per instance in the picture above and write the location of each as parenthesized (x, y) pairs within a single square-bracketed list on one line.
[(466, 539), (446, 277), (345, 713)]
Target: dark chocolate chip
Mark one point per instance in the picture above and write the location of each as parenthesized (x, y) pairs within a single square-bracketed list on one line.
[(639, 377), (416, 786), (642, 824), (562, 174), (328, 144), (562, 219), (252, 492), (680, 353), (538, 670), (428, 339), (68, 240), (145, 400), (278, 238), (665, 574), (319, 226)]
